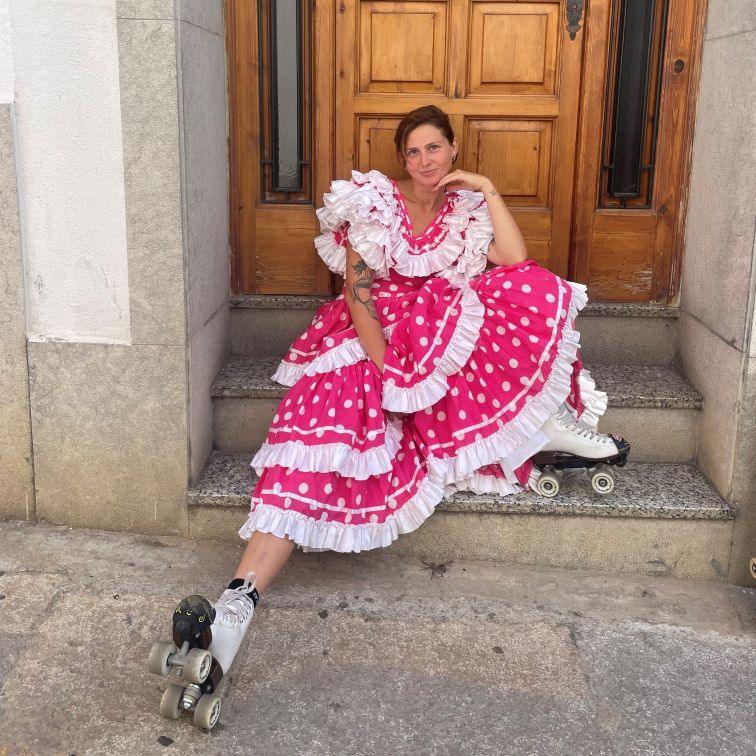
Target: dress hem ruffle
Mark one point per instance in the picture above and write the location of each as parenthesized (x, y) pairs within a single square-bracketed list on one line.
[(529, 419), (336, 536), (335, 457)]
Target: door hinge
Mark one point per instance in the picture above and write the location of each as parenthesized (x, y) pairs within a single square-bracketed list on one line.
[(574, 13)]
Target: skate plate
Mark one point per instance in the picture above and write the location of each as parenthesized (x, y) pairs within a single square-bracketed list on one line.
[(552, 463), (193, 674)]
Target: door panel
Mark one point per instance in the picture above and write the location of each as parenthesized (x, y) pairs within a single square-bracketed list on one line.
[(507, 73), (632, 253)]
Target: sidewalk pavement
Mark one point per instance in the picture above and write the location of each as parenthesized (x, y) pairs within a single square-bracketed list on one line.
[(371, 654)]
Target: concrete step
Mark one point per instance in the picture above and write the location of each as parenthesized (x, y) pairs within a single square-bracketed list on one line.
[(612, 334), (660, 519), (652, 407)]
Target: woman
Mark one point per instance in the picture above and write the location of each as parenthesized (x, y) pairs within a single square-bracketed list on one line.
[(425, 376)]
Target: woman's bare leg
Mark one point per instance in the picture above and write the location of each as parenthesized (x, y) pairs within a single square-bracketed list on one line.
[(266, 554)]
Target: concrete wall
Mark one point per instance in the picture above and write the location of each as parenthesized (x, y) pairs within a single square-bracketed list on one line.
[(716, 349), (115, 265), (102, 242)]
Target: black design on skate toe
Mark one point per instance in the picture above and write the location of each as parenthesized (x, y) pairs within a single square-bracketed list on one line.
[(192, 620)]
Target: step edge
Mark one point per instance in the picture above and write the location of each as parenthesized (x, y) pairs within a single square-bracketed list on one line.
[(725, 513), (313, 301), (615, 402), (626, 399), (480, 503)]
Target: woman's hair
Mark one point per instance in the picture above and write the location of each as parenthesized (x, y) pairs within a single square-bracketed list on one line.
[(428, 114)]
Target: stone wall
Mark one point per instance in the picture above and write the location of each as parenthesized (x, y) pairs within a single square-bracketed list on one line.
[(122, 284), (17, 490), (204, 147), (109, 406), (716, 347)]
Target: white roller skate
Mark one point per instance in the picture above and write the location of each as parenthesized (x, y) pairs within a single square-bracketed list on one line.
[(573, 445), (206, 638)]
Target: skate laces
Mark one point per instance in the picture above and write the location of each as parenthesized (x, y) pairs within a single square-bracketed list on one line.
[(235, 607), (567, 420)]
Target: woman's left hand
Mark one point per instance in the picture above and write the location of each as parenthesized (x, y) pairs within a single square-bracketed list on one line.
[(465, 180)]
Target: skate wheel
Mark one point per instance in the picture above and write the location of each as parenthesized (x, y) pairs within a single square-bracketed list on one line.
[(207, 713), (197, 666), (170, 703), (548, 484), (157, 664), (602, 481)]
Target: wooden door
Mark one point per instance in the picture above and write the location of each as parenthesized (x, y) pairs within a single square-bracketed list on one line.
[(272, 229), (507, 73), (629, 248), (528, 85)]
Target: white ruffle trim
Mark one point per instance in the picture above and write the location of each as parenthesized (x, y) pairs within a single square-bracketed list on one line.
[(535, 473), (336, 457), (482, 484), (537, 410), (336, 536), (347, 353), (428, 391), (368, 205), (595, 401)]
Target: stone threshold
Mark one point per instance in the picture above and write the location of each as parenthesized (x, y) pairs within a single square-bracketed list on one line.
[(642, 490), (312, 302), (627, 386)]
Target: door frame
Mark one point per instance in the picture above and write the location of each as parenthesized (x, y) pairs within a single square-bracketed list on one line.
[(685, 37)]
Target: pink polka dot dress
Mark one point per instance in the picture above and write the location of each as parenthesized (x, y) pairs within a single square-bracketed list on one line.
[(476, 362)]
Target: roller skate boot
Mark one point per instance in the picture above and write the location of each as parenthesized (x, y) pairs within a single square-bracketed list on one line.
[(206, 638), (573, 445)]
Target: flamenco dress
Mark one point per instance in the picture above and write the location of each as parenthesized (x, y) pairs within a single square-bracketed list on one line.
[(476, 363)]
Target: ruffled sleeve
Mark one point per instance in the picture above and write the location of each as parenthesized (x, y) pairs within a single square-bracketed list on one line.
[(361, 211), (473, 223)]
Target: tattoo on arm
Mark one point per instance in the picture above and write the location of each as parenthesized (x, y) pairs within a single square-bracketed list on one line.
[(361, 287), (492, 192)]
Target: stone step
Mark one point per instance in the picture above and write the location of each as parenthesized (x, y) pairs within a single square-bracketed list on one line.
[(660, 519), (612, 334), (651, 406)]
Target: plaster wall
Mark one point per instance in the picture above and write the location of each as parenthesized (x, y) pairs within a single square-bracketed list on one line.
[(70, 170), (6, 54), (715, 349)]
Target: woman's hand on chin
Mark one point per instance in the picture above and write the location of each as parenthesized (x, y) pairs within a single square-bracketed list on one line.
[(465, 180)]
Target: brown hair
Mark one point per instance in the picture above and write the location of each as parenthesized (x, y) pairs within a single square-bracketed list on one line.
[(428, 114)]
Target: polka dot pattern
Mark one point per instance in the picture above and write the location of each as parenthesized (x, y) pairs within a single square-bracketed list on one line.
[(337, 395)]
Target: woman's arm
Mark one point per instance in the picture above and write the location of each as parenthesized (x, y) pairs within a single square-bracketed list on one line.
[(359, 280), (508, 246)]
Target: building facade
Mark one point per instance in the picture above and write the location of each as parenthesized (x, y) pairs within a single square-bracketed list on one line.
[(120, 145)]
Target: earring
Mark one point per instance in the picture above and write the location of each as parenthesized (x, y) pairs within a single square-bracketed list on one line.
[(454, 158)]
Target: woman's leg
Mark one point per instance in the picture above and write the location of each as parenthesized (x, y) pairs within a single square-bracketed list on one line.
[(266, 554)]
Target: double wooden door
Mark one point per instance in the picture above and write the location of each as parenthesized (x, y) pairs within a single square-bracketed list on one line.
[(527, 86)]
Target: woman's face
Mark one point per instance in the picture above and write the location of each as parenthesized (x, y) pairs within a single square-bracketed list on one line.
[(428, 155)]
